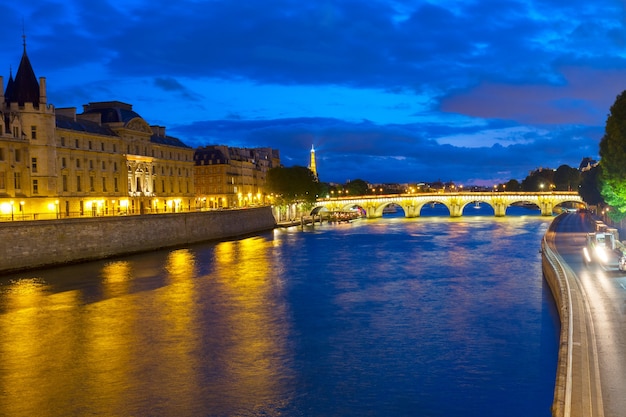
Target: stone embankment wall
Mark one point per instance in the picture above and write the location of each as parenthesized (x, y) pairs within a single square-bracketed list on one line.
[(554, 274), (34, 244)]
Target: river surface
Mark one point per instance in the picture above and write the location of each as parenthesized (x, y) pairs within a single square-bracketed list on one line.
[(391, 317)]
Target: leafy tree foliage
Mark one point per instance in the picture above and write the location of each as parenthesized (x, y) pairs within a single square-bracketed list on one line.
[(294, 184), (613, 159), (566, 178), (589, 189), (357, 187), (512, 185), (539, 180)]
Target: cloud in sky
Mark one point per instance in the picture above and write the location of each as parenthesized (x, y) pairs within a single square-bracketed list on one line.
[(386, 90)]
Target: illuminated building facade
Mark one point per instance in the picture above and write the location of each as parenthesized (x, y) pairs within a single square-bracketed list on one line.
[(228, 177), (55, 163)]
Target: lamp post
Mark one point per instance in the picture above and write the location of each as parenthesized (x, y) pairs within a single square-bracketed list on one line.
[(12, 210)]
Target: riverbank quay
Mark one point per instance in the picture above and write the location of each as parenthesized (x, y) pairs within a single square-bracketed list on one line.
[(577, 390), (37, 244)]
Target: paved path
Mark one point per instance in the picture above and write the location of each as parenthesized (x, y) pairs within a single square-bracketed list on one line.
[(599, 327)]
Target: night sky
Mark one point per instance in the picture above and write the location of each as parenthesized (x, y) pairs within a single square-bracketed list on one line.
[(475, 92)]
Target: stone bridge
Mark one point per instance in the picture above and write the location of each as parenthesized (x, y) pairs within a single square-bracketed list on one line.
[(455, 202)]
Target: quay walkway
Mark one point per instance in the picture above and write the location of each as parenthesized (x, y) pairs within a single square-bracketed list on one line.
[(591, 374)]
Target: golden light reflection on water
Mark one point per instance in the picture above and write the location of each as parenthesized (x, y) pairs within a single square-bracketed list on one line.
[(257, 352), (32, 352), (140, 337)]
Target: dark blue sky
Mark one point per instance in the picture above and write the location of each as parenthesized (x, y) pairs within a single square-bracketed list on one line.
[(476, 92)]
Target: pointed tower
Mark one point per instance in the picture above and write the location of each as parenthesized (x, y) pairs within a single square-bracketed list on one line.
[(312, 166), (25, 87), (31, 123), (9, 90)]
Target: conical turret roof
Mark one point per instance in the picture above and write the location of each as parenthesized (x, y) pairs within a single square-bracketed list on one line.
[(9, 90), (25, 86)]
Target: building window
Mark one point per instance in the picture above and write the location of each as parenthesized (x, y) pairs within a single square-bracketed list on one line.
[(92, 182), (16, 132), (62, 140), (102, 146), (3, 184), (18, 155), (77, 163), (35, 186), (33, 132), (17, 180), (76, 143), (90, 145), (104, 165), (114, 148), (63, 163), (104, 184), (1, 154), (115, 187), (91, 164), (78, 185), (65, 183), (33, 164), (115, 166)]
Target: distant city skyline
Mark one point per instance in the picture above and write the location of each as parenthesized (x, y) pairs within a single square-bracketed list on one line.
[(385, 91)]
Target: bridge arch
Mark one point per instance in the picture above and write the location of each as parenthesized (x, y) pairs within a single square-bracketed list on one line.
[(412, 204)]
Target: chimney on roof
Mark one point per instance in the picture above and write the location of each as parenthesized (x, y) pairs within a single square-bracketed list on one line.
[(67, 112), (42, 90), (158, 130)]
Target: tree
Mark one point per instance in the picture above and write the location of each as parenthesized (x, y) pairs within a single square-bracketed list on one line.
[(513, 185), (292, 185), (357, 187), (566, 178), (613, 159), (589, 189), (539, 180)]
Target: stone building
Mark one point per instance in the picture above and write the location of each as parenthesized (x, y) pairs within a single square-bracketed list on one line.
[(106, 160), (228, 177)]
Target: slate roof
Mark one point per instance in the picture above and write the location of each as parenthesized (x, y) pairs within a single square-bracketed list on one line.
[(80, 125), (114, 114), (168, 140), (24, 88)]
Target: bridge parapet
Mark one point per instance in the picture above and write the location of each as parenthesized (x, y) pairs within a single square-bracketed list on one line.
[(455, 202)]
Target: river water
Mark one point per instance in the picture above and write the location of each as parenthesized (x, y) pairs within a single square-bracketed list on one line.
[(391, 317)]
